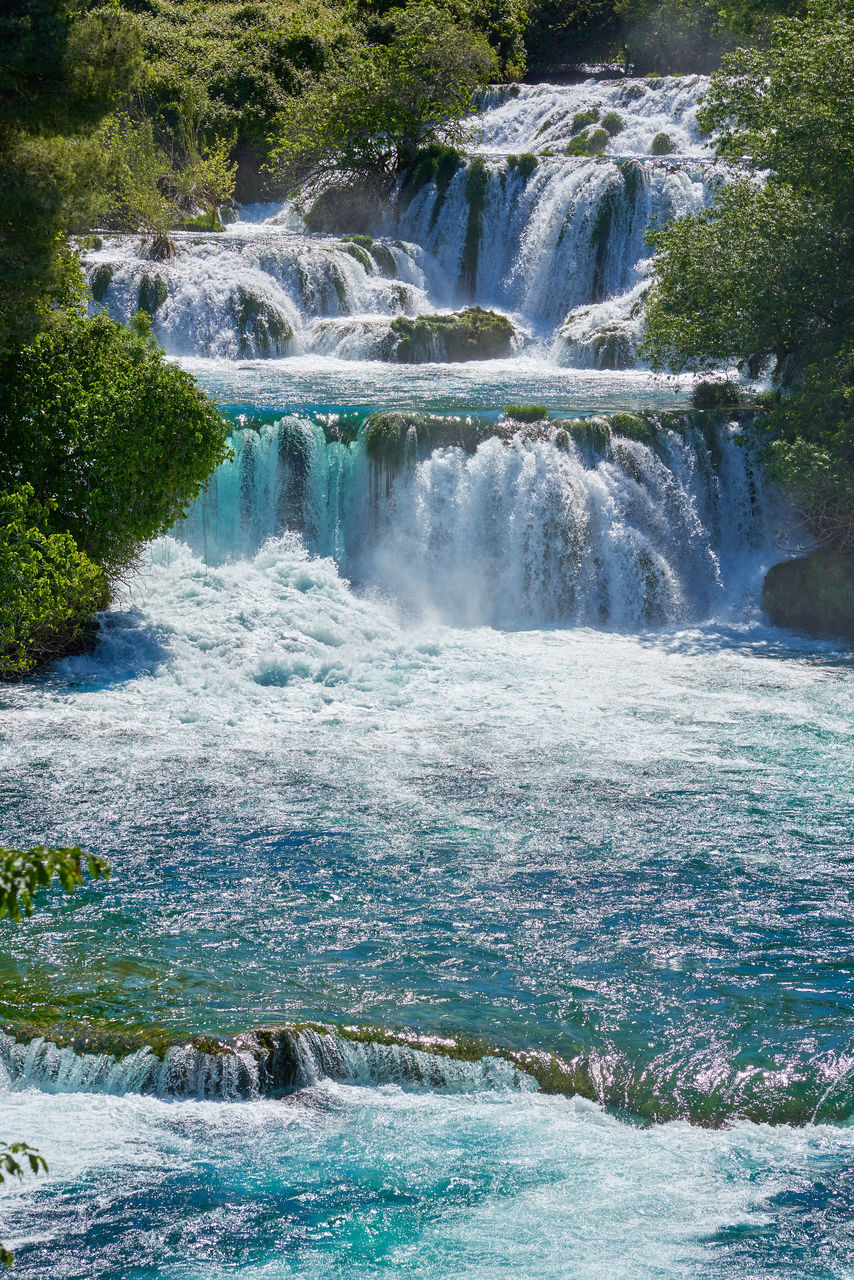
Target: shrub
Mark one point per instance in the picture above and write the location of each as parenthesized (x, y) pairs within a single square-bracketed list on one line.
[(662, 145), (588, 143), (49, 590), (612, 123), (527, 164), (582, 119), (114, 441), (526, 412), (715, 394)]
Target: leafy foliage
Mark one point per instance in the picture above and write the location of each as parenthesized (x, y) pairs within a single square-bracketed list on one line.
[(24, 872), (11, 1156), (64, 64), (765, 277), (373, 112), (113, 439), (49, 590)]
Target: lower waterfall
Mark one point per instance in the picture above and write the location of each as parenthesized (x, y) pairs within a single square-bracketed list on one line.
[(577, 526)]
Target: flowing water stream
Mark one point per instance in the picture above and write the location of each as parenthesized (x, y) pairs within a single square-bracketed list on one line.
[(482, 860)]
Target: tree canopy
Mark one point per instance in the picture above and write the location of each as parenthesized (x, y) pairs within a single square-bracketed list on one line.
[(371, 113), (764, 278)]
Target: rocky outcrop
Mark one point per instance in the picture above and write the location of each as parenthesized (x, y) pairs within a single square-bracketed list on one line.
[(473, 334), (814, 593)]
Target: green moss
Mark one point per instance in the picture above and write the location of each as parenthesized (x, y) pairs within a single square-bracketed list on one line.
[(589, 143), (384, 258), (472, 334), (88, 243), (152, 293), (362, 257), (632, 427), (99, 281), (392, 437), (633, 92), (662, 145), (524, 165), (612, 123), (526, 412), (613, 348), (477, 185), (561, 439), (260, 324), (435, 164), (364, 241), (592, 435), (634, 178), (582, 119)]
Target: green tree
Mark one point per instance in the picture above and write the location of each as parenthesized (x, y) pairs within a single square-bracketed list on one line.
[(49, 590), (372, 112), (64, 64), (205, 177), (765, 277), (114, 440), (22, 874)]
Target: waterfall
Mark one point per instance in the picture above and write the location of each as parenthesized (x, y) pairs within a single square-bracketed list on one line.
[(569, 523), (543, 220)]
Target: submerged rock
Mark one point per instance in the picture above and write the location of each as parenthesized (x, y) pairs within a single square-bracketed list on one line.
[(814, 593), (472, 334)]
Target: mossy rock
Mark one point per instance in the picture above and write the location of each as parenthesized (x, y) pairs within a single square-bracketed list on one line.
[(614, 348), (152, 293), (472, 334), (392, 437), (612, 123), (384, 258), (814, 593), (524, 165), (436, 164), (631, 426), (582, 119), (591, 435), (526, 412), (361, 255), (345, 209), (99, 281), (260, 323), (588, 143), (662, 145)]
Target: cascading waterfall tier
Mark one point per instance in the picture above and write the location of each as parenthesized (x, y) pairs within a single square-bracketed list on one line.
[(280, 1061), (631, 522), (543, 221)]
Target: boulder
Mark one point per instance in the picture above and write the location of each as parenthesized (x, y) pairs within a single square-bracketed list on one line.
[(814, 593)]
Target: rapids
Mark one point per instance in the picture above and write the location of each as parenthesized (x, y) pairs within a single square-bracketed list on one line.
[(482, 860)]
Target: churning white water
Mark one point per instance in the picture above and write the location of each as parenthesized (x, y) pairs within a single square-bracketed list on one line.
[(546, 242)]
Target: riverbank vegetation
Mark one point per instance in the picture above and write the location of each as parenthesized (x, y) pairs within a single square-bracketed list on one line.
[(102, 443), (764, 278)]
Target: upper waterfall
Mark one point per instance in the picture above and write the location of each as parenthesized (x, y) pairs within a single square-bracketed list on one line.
[(542, 221)]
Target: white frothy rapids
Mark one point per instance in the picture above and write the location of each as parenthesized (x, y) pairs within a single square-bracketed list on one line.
[(516, 534), (535, 242)]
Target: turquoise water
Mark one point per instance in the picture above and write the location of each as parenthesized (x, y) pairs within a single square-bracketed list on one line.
[(493, 756), (632, 848)]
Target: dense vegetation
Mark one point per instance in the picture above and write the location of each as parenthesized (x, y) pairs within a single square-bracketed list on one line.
[(765, 277), (101, 442)]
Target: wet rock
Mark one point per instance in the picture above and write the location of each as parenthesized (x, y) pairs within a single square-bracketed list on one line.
[(814, 593)]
